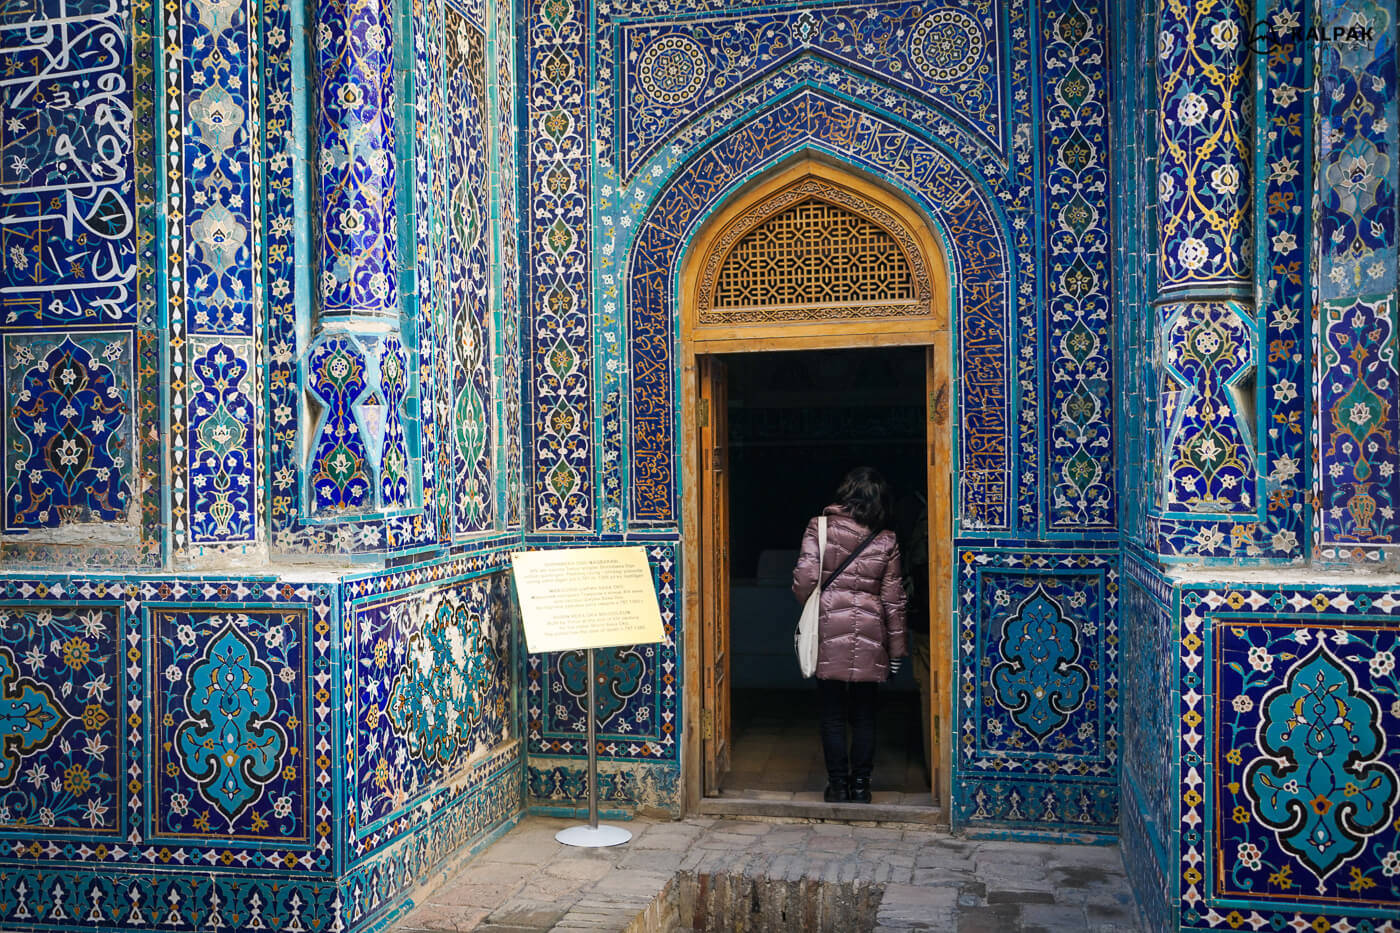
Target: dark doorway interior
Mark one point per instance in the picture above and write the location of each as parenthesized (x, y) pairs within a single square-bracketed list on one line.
[(797, 422)]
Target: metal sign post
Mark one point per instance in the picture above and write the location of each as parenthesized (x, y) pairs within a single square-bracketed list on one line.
[(579, 599), (594, 835)]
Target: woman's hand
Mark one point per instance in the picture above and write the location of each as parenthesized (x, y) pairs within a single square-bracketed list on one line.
[(895, 665)]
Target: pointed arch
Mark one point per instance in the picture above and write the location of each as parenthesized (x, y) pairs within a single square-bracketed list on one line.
[(916, 175)]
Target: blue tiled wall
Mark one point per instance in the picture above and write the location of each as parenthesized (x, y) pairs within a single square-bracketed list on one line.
[(311, 315), (1227, 821)]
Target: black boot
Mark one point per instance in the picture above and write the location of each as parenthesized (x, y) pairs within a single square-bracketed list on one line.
[(836, 790), (860, 790)]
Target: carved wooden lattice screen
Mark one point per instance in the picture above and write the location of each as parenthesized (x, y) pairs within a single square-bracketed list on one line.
[(812, 252)]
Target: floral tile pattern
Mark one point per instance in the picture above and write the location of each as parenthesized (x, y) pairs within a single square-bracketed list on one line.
[(61, 684), (231, 694), (560, 359), (1263, 517), (432, 690), (1207, 445), (411, 304), (467, 245), (1305, 761), (1359, 422), (1079, 451), (1354, 214), (69, 435), (1038, 688), (1204, 204), (213, 245), (1289, 796), (638, 692)]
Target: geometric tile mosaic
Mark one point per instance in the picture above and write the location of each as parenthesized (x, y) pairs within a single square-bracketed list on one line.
[(676, 68), (1265, 794), (359, 329), (1149, 783), (979, 252)]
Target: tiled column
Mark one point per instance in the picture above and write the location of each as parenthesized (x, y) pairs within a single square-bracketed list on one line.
[(1357, 382), (1203, 186), (1206, 339), (356, 322), (355, 208)]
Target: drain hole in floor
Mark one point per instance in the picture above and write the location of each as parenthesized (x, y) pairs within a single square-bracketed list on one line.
[(739, 904)]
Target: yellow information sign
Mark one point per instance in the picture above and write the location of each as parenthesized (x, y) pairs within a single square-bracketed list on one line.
[(576, 598)]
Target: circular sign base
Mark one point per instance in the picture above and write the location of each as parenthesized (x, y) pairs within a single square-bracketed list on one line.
[(588, 838)]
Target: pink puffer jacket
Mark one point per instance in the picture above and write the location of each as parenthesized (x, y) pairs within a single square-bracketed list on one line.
[(862, 610)]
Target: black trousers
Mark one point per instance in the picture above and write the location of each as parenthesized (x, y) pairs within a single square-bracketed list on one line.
[(845, 703)]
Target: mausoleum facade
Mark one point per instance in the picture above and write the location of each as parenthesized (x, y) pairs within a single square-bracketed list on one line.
[(314, 313)]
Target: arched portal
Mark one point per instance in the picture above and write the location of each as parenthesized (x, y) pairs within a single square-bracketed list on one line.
[(812, 257), (976, 243)]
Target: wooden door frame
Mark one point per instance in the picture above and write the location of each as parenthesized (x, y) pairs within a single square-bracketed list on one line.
[(932, 331)]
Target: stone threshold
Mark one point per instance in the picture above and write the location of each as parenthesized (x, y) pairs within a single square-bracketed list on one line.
[(858, 813)]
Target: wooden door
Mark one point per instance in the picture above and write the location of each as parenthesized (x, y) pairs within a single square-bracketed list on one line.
[(938, 385), (713, 398)]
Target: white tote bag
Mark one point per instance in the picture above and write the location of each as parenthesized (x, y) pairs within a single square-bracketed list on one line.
[(805, 640)]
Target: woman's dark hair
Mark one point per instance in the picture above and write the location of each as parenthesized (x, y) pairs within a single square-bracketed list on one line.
[(866, 497)]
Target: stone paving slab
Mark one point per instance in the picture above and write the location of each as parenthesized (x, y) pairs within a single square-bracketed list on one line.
[(527, 883)]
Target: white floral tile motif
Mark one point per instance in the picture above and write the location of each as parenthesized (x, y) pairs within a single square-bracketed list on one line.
[(1359, 424), (70, 434), (61, 677)]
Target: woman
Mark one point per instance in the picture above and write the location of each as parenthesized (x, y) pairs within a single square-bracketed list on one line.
[(861, 632)]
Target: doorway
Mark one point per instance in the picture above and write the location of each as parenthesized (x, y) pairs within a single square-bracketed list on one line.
[(797, 422), (814, 266)]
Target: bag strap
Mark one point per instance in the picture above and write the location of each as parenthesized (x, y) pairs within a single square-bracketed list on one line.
[(850, 557)]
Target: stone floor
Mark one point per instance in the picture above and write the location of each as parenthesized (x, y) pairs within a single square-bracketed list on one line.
[(921, 880), (776, 753)]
